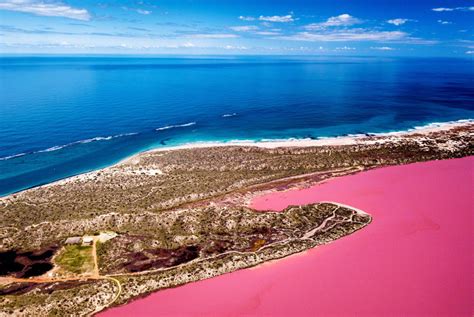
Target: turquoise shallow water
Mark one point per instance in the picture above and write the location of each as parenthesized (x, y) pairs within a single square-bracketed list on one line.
[(60, 116)]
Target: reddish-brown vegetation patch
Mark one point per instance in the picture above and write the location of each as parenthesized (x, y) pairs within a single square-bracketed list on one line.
[(27, 264), (160, 258)]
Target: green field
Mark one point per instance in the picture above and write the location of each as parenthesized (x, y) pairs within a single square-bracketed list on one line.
[(76, 259)]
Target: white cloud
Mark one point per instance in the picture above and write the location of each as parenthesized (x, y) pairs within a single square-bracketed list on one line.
[(398, 21), (313, 26), (348, 35), (345, 48), (144, 12), (267, 33), (230, 47), (215, 36), (470, 52), (246, 18), (52, 9), (138, 10), (129, 45), (444, 22), (417, 41), (277, 18), (442, 9), (340, 20), (382, 48), (245, 28), (453, 9), (267, 19)]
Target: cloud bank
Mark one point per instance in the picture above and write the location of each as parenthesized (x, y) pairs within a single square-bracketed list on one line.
[(53, 9)]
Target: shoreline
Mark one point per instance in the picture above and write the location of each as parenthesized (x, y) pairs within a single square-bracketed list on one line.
[(363, 139), (321, 141), (265, 143)]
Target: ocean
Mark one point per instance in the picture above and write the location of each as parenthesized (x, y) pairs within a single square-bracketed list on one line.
[(65, 115)]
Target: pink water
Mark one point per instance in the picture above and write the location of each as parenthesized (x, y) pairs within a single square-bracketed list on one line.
[(414, 259)]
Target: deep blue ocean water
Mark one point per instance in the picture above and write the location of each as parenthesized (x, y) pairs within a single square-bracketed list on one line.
[(60, 116)]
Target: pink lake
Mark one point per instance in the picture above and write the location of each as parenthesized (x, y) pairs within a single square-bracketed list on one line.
[(414, 259)]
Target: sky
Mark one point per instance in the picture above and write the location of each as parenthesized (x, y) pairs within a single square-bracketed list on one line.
[(255, 27)]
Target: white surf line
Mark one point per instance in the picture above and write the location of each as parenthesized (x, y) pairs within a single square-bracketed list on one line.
[(353, 139), (330, 141)]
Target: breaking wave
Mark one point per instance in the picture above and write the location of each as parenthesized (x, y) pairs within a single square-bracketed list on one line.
[(59, 147), (176, 126), (12, 156)]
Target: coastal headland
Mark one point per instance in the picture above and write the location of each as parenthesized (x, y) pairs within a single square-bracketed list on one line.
[(168, 217)]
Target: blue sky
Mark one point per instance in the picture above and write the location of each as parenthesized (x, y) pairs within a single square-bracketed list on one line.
[(335, 27)]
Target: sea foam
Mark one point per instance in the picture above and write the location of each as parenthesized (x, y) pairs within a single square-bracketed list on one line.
[(176, 126), (59, 147)]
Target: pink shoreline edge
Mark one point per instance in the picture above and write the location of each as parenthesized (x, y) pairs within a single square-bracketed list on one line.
[(414, 259)]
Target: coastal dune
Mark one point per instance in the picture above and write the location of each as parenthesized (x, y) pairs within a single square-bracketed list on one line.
[(415, 259)]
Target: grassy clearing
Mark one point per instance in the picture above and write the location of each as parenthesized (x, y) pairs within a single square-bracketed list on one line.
[(76, 259)]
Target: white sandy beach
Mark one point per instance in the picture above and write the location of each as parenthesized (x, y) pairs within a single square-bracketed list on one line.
[(329, 141), (369, 138)]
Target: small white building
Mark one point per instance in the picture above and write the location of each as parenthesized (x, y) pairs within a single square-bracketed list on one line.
[(106, 235), (73, 240), (87, 240)]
